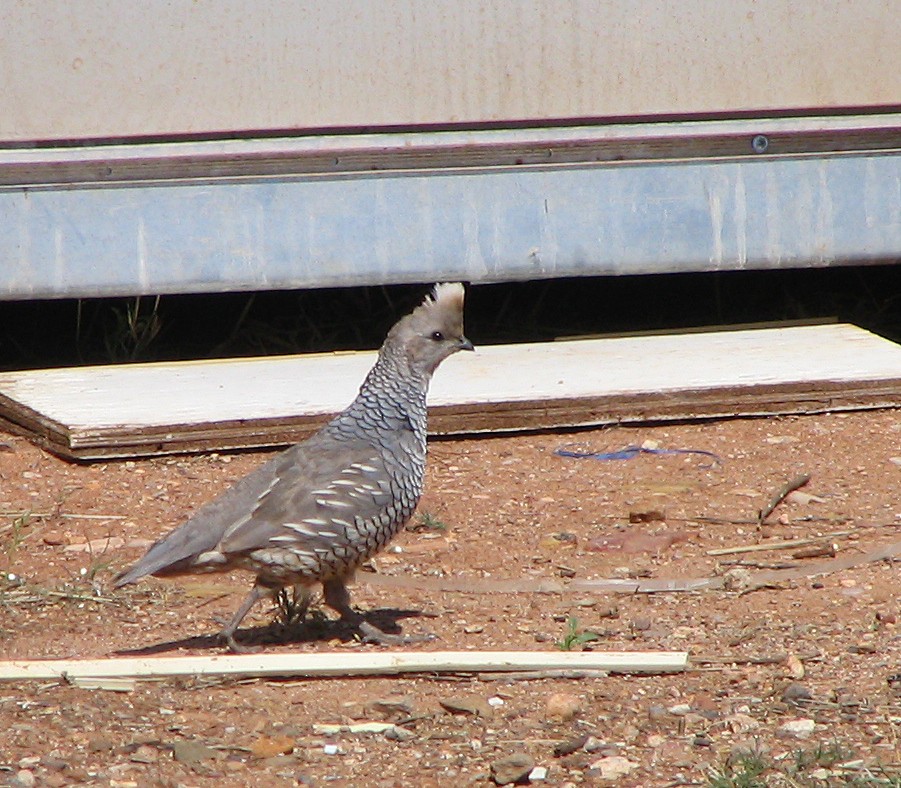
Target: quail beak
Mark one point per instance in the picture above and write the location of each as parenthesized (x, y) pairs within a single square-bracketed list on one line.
[(464, 344)]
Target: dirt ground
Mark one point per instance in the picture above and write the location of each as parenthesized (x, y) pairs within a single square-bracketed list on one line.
[(789, 684)]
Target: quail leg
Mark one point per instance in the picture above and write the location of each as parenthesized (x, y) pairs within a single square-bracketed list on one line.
[(228, 634), (337, 597)]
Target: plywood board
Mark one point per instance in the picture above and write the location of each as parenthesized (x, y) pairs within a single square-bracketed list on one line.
[(131, 410)]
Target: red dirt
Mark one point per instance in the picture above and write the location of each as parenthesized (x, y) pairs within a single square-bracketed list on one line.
[(511, 509)]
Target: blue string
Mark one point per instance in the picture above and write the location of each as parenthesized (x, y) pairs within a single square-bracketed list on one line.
[(629, 453)]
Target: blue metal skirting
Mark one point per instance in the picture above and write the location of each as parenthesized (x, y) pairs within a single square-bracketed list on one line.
[(503, 223)]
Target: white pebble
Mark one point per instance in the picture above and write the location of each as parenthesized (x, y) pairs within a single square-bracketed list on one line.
[(538, 773), (330, 749), (24, 778), (796, 729)]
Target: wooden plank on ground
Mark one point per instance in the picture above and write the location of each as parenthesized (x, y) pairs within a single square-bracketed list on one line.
[(142, 409), (345, 664)]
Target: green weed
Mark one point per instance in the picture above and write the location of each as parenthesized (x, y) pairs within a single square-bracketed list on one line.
[(575, 637)]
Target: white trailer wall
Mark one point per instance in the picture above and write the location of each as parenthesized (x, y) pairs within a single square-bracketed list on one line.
[(112, 68), (161, 146)]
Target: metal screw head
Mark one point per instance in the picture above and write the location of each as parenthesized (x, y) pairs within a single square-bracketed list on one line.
[(760, 143)]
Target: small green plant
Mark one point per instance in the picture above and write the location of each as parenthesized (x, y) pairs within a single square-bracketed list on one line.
[(18, 531), (96, 566), (575, 636), (426, 521), (824, 755), (746, 771)]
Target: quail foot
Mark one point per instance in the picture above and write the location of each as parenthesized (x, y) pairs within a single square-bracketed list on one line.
[(318, 510)]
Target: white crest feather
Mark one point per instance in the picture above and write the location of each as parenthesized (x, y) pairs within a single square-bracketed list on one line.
[(446, 291)]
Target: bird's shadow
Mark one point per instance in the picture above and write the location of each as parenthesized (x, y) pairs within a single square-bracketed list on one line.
[(313, 629)]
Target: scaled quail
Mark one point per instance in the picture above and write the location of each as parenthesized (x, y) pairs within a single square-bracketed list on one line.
[(318, 510)]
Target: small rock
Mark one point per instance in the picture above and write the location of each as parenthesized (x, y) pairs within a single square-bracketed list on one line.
[(145, 754), (538, 774), (647, 516), (393, 707), (656, 711), (569, 746), (29, 761), (100, 744), (593, 744), (269, 747), (706, 706), (514, 768), (563, 706), (24, 778), (460, 705), (795, 692), (396, 733), (655, 740), (191, 753), (741, 723), (614, 766), (737, 578), (796, 729), (702, 740), (679, 710), (795, 667), (330, 749)]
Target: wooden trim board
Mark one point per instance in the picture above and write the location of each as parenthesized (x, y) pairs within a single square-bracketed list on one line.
[(345, 664), (145, 409)]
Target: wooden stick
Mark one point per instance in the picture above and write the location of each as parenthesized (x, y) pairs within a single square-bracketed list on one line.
[(787, 544), (341, 664), (781, 493), (823, 550)]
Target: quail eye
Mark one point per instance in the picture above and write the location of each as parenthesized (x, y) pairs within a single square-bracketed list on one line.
[(437, 336)]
